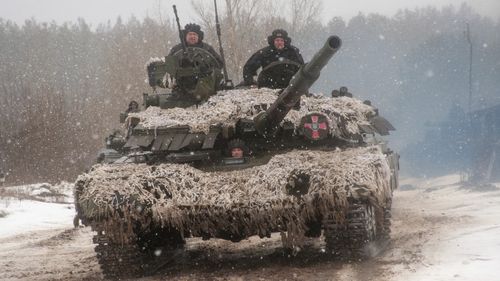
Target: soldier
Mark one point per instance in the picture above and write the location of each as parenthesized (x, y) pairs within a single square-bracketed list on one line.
[(193, 75), (279, 49), (133, 106), (193, 36)]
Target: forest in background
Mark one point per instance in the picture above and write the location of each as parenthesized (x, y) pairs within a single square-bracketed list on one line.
[(62, 86)]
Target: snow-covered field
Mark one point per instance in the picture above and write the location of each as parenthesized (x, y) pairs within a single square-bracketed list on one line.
[(441, 231), (35, 207)]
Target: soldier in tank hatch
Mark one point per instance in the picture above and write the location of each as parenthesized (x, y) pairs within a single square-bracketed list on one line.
[(193, 36), (279, 49)]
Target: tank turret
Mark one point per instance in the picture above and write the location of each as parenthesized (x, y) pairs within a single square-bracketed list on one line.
[(299, 85)]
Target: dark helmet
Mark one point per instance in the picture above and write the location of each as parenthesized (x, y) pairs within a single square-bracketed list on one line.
[(279, 33), (133, 106), (193, 27)]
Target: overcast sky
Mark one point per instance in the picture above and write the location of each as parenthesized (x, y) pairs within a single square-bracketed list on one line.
[(98, 11)]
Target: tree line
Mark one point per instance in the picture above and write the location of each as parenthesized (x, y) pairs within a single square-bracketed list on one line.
[(62, 86)]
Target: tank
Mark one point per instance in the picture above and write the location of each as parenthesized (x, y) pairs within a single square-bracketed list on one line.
[(239, 163)]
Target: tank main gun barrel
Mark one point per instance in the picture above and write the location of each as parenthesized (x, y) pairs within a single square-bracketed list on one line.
[(298, 86)]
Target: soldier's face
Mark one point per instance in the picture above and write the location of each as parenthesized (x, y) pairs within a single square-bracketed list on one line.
[(192, 38), (279, 43), (237, 152)]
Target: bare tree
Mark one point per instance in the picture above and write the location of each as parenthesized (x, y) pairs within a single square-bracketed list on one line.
[(241, 27), (246, 24), (303, 13)]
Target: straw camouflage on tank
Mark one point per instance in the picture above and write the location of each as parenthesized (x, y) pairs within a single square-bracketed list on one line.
[(203, 202), (227, 107)]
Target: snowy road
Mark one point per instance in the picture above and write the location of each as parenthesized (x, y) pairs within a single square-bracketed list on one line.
[(440, 232), (466, 246)]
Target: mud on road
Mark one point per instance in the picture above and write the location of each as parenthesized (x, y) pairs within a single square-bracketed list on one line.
[(69, 255), (422, 217)]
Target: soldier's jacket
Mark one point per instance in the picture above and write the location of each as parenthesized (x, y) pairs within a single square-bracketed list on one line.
[(267, 55), (202, 45)]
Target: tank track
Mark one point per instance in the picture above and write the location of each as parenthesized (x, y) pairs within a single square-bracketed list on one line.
[(139, 256), (385, 234), (349, 239), (118, 261)]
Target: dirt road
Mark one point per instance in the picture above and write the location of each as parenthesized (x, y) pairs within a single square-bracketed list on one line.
[(440, 232)]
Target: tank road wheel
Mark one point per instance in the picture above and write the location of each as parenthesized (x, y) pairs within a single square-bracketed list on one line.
[(351, 238), (141, 256)]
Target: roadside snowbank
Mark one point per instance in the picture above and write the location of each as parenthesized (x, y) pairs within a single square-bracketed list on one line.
[(35, 207)]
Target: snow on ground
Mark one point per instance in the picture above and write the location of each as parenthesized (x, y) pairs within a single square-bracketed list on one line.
[(468, 246), (35, 207)]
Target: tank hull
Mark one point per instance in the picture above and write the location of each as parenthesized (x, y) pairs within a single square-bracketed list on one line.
[(299, 193)]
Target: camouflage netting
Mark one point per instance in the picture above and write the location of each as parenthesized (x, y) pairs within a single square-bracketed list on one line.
[(244, 202), (344, 114)]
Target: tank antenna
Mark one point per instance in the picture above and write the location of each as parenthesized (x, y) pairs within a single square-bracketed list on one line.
[(183, 42), (228, 84), (467, 35)]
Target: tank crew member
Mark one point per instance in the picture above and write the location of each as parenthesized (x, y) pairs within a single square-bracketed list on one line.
[(279, 48), (193, 36), (133, 106)]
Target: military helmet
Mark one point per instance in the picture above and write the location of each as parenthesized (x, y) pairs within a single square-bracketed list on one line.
[(193, 27), (279, 33)]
